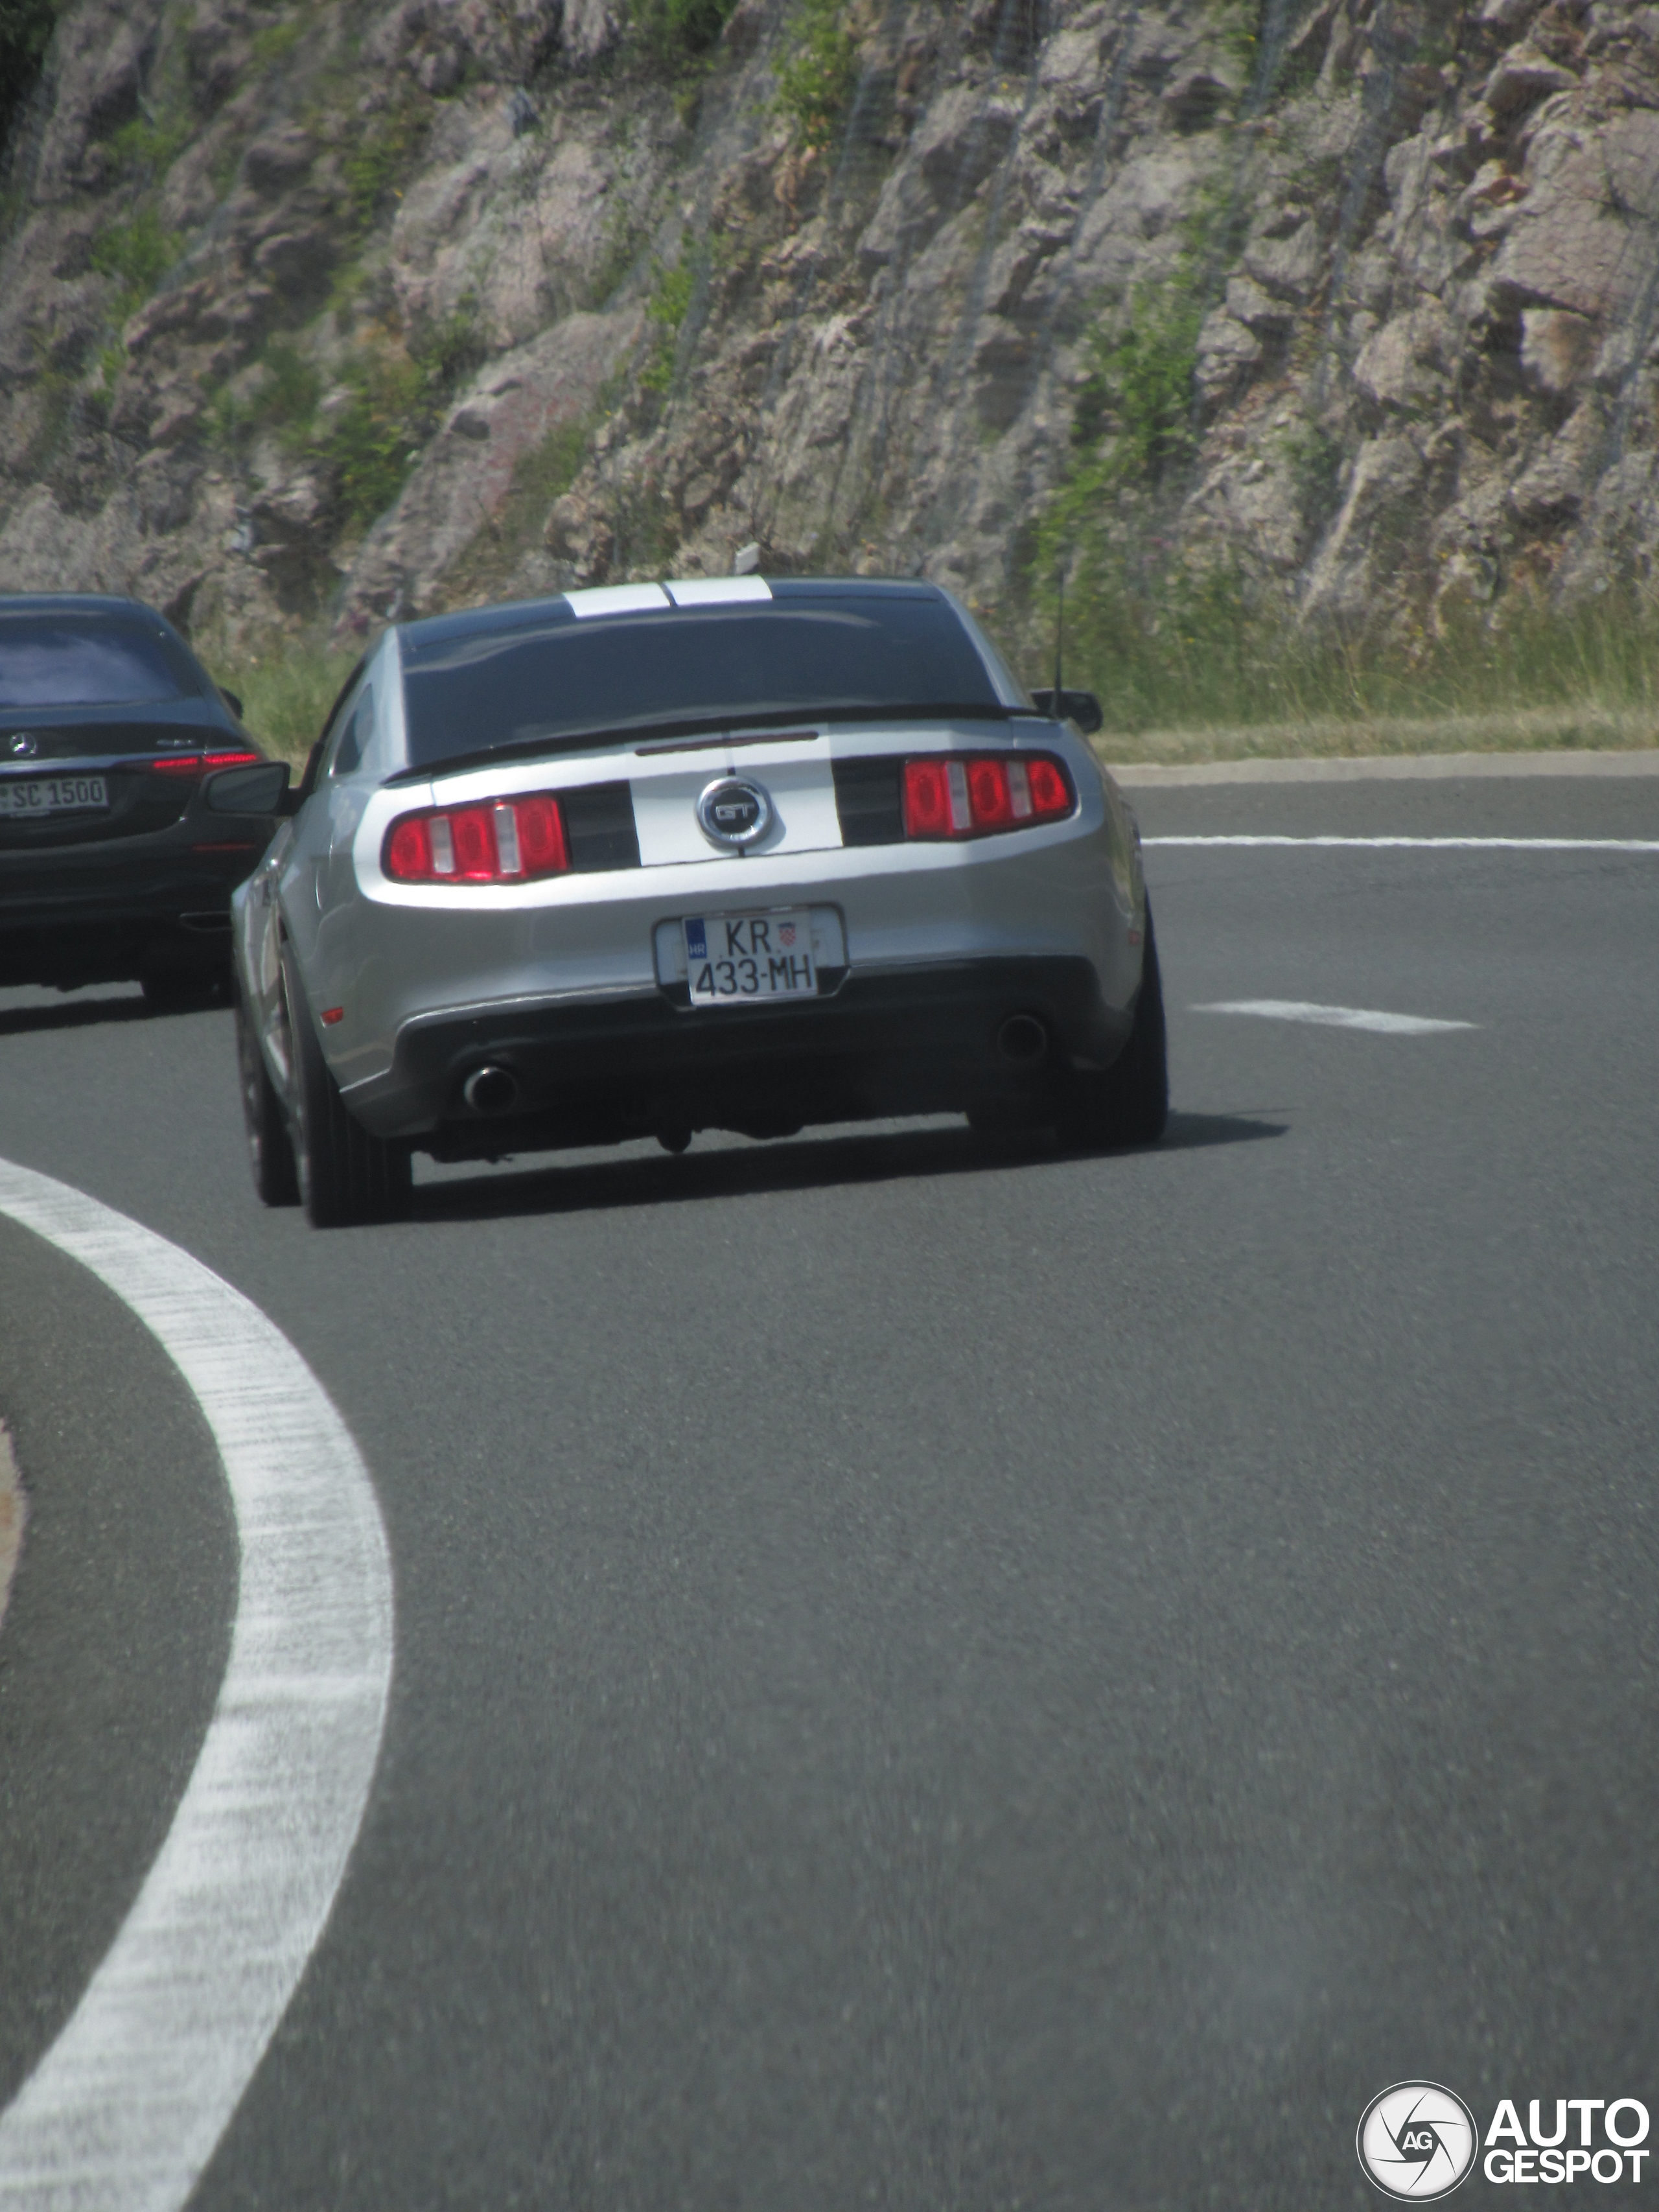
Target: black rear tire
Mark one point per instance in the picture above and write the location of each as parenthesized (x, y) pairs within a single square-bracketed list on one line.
[(181, 990), (997, 1119), (270, 1148), (1128, 1103), (180, 969), (346, 1176)]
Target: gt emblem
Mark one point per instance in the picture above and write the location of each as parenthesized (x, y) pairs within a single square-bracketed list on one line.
[(24, 745), (734, 812)]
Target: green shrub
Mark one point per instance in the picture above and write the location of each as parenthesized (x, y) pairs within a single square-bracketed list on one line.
[(376, 167), (283, 396), (448, 352), (671, 293), (146, 150), (1134, 420), (26, 26), (276, 41), (815, 82), (374, 438), (548, 473), (137, 253), (394, 397), (676, 29), (291, 387), (230, 419)]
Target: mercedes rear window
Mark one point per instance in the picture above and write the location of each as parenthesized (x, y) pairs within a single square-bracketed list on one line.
[(89, 660), (568, 678)]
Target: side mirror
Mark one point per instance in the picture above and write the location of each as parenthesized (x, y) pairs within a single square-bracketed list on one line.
[(233, 702), (260, 790), (1079, 707)]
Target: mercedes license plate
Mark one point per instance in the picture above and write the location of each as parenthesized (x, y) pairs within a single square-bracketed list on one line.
[(51, 795), (733, 956)]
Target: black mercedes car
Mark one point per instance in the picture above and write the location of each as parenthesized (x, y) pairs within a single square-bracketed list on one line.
[(111, 867)]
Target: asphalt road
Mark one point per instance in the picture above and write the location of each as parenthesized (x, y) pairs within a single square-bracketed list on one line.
[(930, 1676)]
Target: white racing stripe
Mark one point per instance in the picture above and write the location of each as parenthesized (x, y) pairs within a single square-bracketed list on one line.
[(1334, 1017), (123, 2111), (1443, 844)]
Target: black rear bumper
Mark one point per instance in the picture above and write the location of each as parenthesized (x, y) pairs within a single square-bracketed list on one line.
[(910, 1041), (107, 915)]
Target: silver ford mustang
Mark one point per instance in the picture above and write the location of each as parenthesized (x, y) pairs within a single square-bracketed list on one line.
[(655, 858)]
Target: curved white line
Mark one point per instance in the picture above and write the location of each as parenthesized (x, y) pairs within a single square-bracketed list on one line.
[(123, 2112), (1333, 1017), (1440, 844)]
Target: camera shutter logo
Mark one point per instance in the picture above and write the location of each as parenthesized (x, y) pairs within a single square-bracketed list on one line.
[(1417, 2142)]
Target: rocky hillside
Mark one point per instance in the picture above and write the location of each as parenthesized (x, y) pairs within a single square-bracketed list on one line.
[(330, 309)]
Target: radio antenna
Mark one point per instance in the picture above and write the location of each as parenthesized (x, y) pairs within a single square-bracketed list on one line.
[(1060, 629)]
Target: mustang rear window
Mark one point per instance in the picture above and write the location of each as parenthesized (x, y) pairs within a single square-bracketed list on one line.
[(567, 678), (80, 660)]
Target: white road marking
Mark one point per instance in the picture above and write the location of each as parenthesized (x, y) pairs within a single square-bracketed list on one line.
[(1443, 844), (1334, 1017), (13, 1511), (123, 2112)]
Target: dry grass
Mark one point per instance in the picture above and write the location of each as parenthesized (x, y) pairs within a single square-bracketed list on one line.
[(1530, 730), (286, 686)]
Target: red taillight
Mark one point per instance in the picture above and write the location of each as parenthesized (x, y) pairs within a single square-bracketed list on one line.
[(202, 763), (1051, 789), (473, 835), (927, 798), (989, 798), (505, 841), (541, 837), (973, 795), (409, 849)]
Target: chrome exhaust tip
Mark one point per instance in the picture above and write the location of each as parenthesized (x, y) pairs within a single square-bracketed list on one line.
[(491, 1091), (1022, 1041)]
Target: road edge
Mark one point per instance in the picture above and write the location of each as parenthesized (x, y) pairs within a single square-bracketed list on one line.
[(1365, 768)]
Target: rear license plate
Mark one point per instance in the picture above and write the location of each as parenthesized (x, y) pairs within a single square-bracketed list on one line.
[(51, 795), (733, 956)]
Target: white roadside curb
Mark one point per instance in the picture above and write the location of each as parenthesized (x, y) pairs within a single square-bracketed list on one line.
[(123, 2111)]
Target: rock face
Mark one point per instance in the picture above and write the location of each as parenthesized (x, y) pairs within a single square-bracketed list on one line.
[(353, 308)]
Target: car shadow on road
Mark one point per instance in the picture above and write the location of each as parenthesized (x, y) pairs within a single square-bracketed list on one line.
[(810, 1164), (73, 1014), (85, 1013)]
